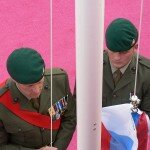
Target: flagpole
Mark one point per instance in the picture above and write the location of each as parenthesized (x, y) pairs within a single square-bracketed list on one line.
[(89, 64)]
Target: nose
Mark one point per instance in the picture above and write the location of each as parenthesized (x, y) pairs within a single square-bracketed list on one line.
[(117, 56), (36, 90)]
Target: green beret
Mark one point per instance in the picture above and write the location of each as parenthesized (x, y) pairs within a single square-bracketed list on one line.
[(25, 65), (121, 35)]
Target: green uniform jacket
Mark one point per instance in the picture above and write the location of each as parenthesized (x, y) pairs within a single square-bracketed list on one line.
[(121, 93), (17, 134)]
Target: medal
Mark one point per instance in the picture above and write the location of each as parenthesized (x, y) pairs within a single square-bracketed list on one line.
[(57, 109), (51, 111)]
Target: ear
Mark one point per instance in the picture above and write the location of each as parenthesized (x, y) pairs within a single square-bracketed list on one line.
[(136, 46)]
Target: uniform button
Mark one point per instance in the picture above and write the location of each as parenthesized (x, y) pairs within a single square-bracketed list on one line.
[(114, 95), (42, 129), (133, 69), (19, 130), (7, 86), (46, 87), (15, 99), (139, 59)]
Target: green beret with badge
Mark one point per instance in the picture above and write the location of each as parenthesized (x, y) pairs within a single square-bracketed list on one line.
[(121, 35), (25, 66)]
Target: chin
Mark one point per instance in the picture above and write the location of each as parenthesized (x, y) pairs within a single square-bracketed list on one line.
[(119, 65), (35, 96)]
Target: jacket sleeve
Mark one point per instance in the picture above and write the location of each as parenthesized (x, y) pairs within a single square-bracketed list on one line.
[(68, 122), (145, 101), (143, 84)]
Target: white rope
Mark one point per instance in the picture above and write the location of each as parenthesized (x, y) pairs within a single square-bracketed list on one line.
[(51, 64), (140, 25)]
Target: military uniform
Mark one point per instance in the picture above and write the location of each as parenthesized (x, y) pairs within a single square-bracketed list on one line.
[(121, 93), (18, 134)]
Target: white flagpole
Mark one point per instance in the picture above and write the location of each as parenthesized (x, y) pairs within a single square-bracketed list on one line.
[(89, 64)]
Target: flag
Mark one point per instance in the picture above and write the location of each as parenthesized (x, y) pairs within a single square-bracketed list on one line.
[(124, 130)]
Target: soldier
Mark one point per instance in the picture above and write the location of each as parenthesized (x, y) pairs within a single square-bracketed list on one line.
[(25, 105), (119, 66)]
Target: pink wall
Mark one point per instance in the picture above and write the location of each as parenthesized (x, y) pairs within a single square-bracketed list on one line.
[(27, 23)]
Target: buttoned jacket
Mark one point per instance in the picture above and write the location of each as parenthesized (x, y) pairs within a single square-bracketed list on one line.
[(119, 94)]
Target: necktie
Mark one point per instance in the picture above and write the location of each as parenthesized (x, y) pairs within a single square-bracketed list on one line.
[(117, 76), (35, 103)]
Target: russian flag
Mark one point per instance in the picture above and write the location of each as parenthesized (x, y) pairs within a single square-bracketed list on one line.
[(124, 130)]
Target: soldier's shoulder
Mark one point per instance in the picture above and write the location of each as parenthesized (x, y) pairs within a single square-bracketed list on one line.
[(55, 71), (144, 61), (105, 52), (105, 57), (3, 88)]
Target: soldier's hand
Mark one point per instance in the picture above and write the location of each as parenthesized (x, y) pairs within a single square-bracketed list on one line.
[(48, 148)]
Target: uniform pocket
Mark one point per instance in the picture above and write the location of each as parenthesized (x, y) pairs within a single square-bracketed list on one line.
[(17, 129), (25, 135)]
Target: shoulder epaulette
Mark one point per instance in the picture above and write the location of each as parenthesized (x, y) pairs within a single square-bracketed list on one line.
[(144, 61), (55, 71)]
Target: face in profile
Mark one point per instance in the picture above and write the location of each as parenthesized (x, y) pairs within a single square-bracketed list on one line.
[(31, 90), (120, 59)]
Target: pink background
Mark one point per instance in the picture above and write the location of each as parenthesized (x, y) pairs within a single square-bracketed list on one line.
[(26, 23)]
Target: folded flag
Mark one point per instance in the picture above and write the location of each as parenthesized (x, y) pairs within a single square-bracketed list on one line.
[(124, 130)]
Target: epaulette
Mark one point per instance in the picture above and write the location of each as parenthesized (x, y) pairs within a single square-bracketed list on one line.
[(3, 90), (144, 61), (55, 71)]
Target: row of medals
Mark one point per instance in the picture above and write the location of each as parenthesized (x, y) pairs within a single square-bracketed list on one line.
[(58, 108)]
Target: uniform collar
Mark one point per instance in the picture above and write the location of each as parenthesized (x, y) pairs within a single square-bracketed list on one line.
[(123, 69)]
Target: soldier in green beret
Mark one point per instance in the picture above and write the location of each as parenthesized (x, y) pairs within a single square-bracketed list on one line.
[(29, 112), (119, 66)]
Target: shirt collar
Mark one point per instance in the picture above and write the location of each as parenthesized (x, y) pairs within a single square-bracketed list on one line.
[(123, 69)]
